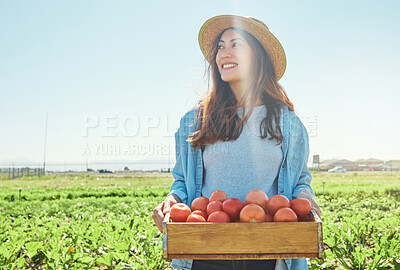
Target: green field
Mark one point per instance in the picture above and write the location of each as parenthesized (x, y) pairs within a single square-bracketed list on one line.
[(104, 221), (55, 181)]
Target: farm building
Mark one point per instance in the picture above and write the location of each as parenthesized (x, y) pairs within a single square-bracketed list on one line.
[(392, 165), (332, 163), (370, 164)]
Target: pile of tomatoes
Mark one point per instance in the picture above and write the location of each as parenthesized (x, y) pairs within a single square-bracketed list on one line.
[(256, 208)]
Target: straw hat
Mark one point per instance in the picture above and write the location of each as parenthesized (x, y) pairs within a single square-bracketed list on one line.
[(214, 26)]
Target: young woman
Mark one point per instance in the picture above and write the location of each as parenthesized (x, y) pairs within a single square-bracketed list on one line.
[(244, 135)]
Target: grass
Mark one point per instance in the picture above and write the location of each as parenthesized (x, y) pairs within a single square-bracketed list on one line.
[(89, 180), (322, 182), (355, 182), (59, 207)]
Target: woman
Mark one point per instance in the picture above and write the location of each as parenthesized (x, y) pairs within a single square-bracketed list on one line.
[(244, 135)]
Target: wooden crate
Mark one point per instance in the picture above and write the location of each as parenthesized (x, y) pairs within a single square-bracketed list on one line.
[(240, 241)]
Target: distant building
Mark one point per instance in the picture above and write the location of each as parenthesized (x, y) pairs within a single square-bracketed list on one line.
[(391, 165), (332, 163), (370, 164)]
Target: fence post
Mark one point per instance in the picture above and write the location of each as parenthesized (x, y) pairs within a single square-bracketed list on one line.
[(20, 172)]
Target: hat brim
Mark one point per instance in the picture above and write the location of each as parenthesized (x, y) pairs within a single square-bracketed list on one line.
[(215, 25)]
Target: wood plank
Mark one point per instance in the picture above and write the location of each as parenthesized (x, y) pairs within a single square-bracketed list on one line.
[(241, 256), (242, 238)]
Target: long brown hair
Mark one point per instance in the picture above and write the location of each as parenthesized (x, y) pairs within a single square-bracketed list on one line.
[(217, 112)]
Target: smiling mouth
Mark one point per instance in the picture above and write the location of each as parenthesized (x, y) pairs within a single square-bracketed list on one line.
[(228, 66)]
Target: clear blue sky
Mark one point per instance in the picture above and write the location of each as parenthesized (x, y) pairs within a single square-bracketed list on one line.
[(139, 64)]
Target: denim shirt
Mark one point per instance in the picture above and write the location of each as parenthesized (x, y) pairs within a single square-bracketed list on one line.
[(293, 174)]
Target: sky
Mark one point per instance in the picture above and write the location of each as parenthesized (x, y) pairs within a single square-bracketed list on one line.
[(114, 77)]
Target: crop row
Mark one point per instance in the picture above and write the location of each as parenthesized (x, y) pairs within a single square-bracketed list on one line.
[(360, 233), (84, 233), (85, 228)]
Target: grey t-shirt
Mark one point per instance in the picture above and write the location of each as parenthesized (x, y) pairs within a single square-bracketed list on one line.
[(247, 163)]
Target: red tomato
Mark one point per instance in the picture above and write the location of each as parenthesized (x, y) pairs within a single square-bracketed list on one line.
[(304, 219), (201, 213), (285, 215), (310, 216), (219, 217), (195, 218), (232, 207), (276, 202), (258, 197), (301, 206), (200, 203), (252, 213), (218, 195), (214, 206), (179, 212), (269, 217)]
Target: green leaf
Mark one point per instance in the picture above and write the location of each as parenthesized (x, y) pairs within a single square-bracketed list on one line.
[(86, 259), (122, 256), (106, 260), (33, 247)]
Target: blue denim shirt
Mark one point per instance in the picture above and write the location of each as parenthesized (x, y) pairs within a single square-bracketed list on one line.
[(293, 174)]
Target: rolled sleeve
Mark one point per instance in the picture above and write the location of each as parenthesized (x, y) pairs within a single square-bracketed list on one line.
[(304, 180), (178, 187)]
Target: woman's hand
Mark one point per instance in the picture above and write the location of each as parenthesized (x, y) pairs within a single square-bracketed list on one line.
[(163, 208), (306, 194)]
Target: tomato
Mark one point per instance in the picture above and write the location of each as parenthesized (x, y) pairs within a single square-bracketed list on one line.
[(269, 217), (179, 212), (258, 197), (214, 206), (309, 217), (304, 219), (285, 215), (200, 203), (201, 213), (219, 217), (301, 206), (276, 202), (218, 195), (252, 213), (195, 218), (232, 207)]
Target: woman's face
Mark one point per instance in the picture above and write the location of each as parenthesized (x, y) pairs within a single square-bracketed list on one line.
[(234, 57)]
